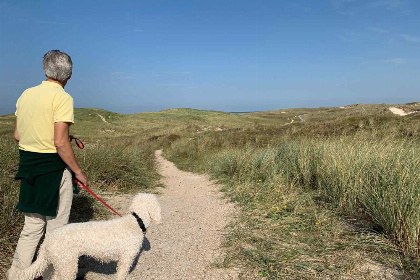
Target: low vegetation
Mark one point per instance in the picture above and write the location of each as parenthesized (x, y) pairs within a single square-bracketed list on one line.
[(112, 163), (288, 191), (317, 196), (325, 193)]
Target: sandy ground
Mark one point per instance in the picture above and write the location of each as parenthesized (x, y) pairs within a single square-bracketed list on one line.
[(398, 111), (102, 118), (187, 244)]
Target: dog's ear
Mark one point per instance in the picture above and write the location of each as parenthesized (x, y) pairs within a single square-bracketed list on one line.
[(154, 211), (147, 204)]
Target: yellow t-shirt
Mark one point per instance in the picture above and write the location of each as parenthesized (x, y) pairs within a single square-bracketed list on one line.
[(37, 109)]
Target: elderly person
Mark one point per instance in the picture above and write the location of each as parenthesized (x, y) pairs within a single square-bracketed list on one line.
[(43, 116)]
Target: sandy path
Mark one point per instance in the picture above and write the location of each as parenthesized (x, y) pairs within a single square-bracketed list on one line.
[(187, 242), (301, 118), (102, 118)]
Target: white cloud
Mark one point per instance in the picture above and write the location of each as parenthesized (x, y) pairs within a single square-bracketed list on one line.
[(340, 3), (345, 6), (350, 36), (377, 30), (398, 60), (41, 21), (345, 38), (178, 72), (388, 36), (410, 38), (49, 22), (399, 5), (300, 7), (346, 13), (123, 75)]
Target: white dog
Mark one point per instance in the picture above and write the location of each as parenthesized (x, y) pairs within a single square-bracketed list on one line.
[(114, 240)]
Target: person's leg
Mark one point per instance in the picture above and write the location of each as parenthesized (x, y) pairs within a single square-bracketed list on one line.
[(32, 232), (63, 211), (64, 203)]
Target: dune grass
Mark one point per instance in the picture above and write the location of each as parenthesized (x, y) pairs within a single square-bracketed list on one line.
[(11, 219), (324, 193), (373, 181), (318, 202), (112, 163), (291, 195)]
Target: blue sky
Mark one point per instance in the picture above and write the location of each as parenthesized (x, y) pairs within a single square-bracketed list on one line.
[(133, 56)]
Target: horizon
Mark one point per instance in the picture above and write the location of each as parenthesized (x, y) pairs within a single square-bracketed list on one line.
[(135, 57), (238, 112)]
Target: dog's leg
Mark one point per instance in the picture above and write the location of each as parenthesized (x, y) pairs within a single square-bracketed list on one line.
[(69, 272), (65, 268), (56, 276), (66, 274), (124, 265)]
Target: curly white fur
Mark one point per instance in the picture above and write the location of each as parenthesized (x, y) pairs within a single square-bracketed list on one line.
[(114, 240)]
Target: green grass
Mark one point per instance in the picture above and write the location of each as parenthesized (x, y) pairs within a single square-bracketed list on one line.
[(113, 163), (11, 220), (291, 195), (320, 197)]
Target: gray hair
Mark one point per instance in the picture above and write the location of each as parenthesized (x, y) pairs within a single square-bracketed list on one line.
[(57, 65)]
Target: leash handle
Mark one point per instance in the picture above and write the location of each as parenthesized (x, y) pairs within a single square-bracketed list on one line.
[(79, 142), (95, 196)]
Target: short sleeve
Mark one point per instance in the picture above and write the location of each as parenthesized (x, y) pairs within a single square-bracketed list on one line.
[(63, 109)]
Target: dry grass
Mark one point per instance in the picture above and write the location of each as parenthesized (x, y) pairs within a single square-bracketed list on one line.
[(296, 182), (111, 164), (304, 186)]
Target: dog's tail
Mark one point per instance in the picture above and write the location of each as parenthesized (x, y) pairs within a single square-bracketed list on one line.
[(35, 270)]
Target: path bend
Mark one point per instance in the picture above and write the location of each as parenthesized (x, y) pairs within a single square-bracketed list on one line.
[(188, 241)]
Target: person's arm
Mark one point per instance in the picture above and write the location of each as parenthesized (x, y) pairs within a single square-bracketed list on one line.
[(65, 151), (16, 134)]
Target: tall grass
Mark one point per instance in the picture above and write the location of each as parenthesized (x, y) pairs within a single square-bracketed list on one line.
[(119, 165), (360, 160), (376, 181), (10, 218), (112, 165)]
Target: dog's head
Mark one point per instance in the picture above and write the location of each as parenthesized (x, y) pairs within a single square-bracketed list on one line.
[(146, 204)]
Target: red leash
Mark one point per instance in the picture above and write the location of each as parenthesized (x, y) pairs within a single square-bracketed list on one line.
[(79, 142), (97, 197), (81, 146)]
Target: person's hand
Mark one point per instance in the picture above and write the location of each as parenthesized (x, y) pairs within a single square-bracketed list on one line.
[(81, 177)]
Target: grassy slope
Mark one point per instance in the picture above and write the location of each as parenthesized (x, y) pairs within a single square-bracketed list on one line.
[(361, 162), (119, 157)]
